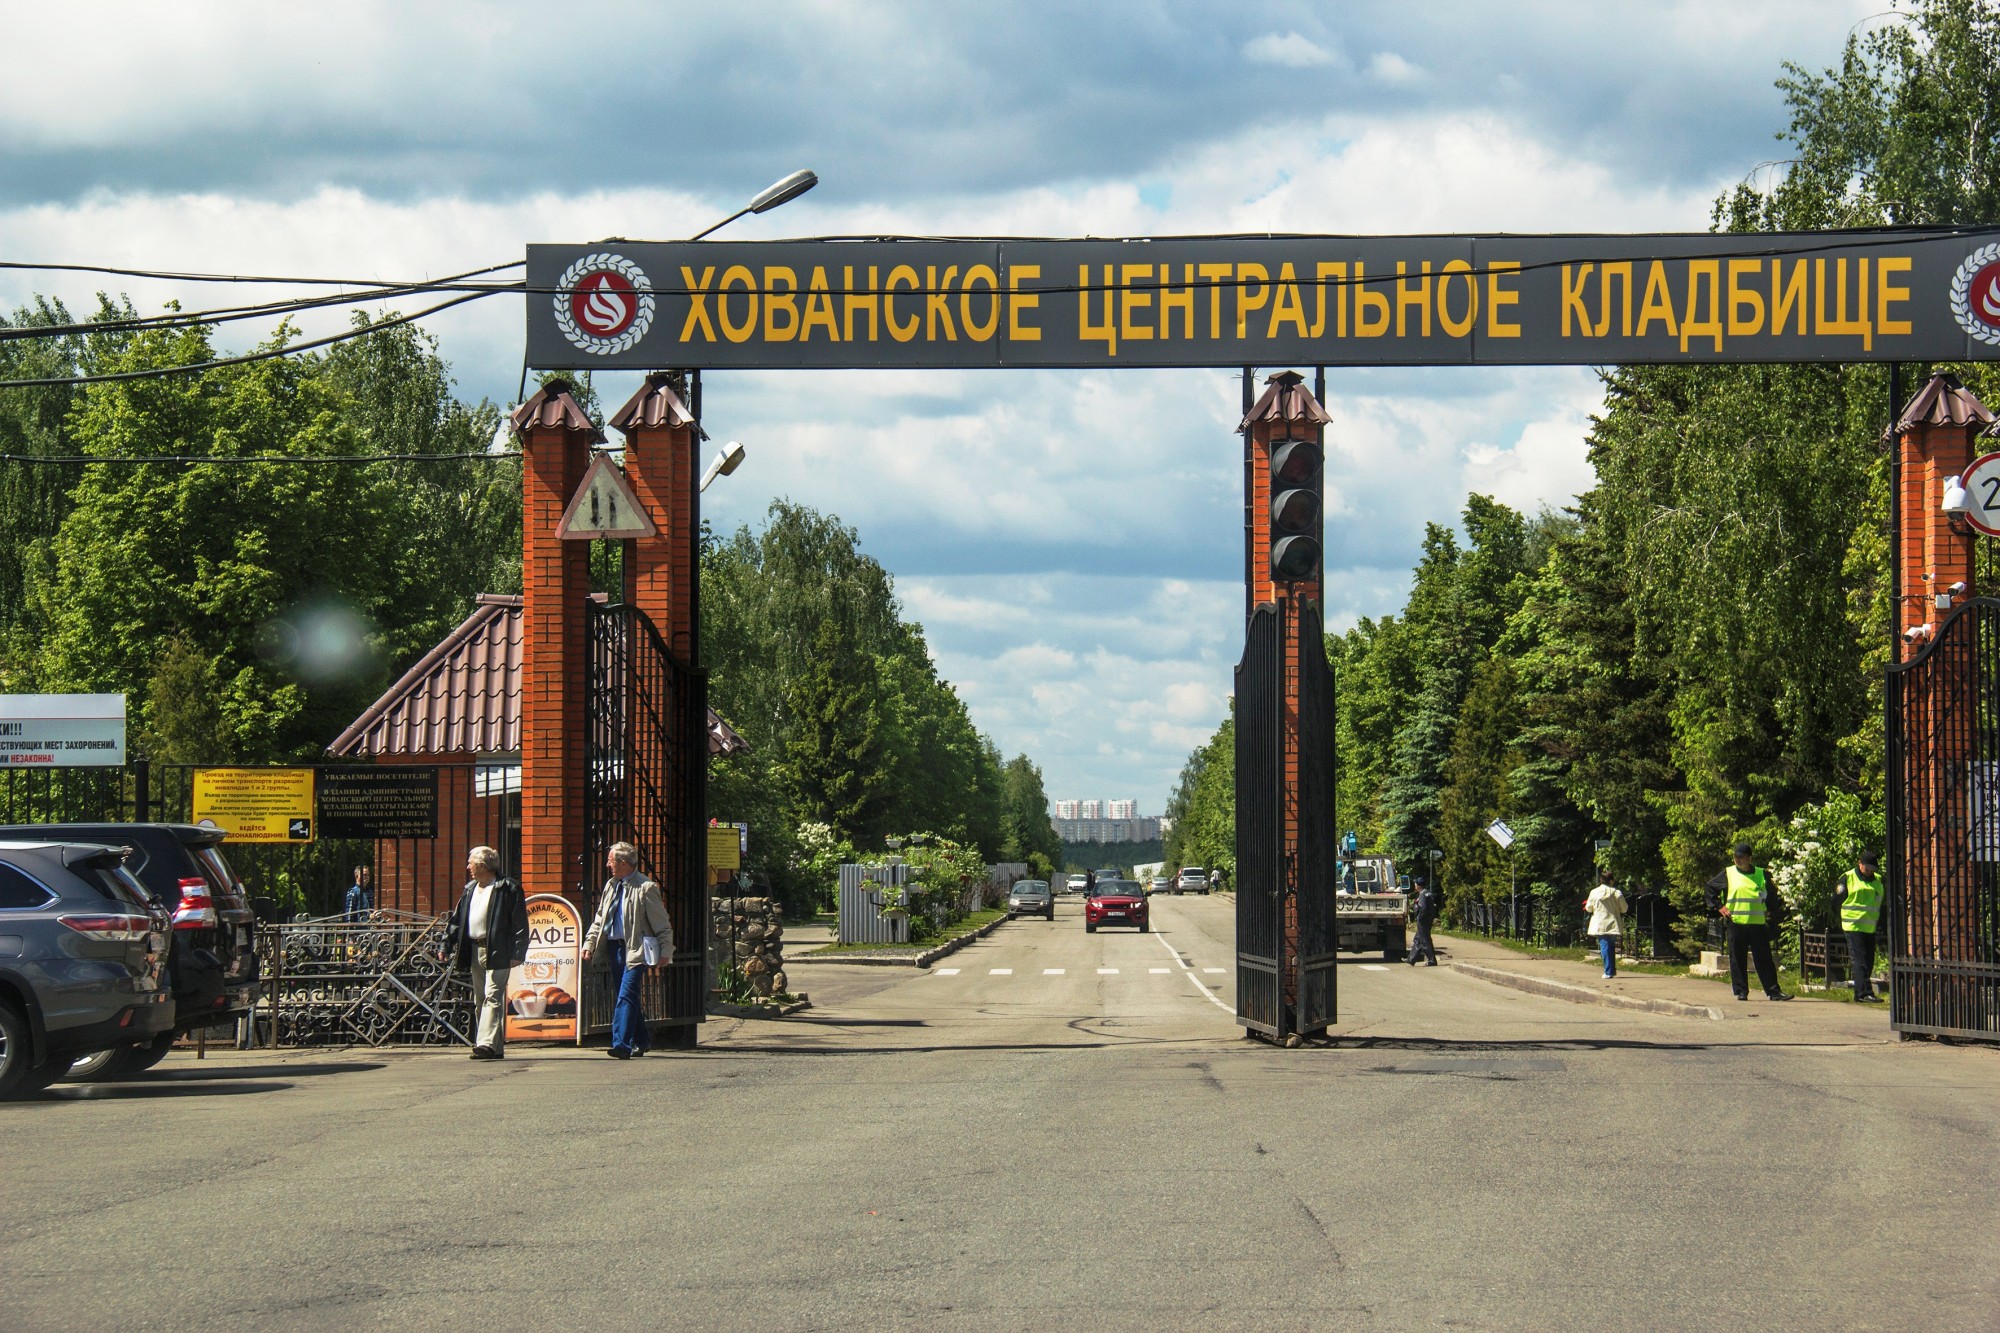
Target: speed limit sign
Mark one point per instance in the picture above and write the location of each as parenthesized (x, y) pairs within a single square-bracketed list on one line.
[(1982, 494)]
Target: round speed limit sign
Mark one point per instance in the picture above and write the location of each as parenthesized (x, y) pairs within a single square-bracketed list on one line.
[(1982, 494)]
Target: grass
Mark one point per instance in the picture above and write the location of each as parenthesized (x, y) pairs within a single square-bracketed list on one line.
[(952, 932), (1789, 979)]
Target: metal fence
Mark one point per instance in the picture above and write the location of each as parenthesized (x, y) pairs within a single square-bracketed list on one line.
[(1943, 914), (378, 982), (861, 919)]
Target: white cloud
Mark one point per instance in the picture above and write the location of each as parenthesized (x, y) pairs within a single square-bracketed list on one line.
[(1386, 67), (1289, 50)]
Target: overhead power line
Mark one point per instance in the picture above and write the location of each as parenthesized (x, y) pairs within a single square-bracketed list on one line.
[(300, 460)]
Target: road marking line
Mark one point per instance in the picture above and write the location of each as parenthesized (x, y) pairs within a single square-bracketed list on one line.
[(1160, 971), (1216, 971), (1200, 989), (1052, 971), (947, 972), (1107, 971), (1000, 972), (1374, 967)]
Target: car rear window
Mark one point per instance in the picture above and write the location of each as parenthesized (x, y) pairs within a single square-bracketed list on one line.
[(219, 870), (19, 891), (117, 882)]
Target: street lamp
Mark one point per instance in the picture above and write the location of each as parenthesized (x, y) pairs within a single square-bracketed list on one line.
[(779, 192), (727, 459)]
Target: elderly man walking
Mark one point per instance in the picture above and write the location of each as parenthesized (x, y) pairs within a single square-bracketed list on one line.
[(488, 937), (634, 930)]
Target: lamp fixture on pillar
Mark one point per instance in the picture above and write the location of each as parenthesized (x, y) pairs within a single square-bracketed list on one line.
[(778, 192), (727, 460)]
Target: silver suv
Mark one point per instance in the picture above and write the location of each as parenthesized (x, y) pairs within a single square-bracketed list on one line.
[(83, 950), (1032, 895)]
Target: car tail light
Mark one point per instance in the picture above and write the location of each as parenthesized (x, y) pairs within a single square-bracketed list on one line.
[(116, 928), (197, 909)]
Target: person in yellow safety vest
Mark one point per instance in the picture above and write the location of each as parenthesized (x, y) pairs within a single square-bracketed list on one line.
[(1741, 895), (1859, 898)]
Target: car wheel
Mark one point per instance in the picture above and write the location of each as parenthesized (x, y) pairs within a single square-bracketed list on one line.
[(97, 1065), (1144, 928), (1089, 929), (18, 1075), (1052, 913)]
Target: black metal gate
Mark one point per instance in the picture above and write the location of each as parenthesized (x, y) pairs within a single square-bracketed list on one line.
[(1943, 916), (647, 754), (1260, 907), (1318, 932)]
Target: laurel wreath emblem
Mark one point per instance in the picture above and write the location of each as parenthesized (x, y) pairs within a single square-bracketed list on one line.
[(1961, 294), (642, 289)]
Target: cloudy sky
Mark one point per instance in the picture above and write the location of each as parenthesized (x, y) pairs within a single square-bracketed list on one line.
[(1070, 541)]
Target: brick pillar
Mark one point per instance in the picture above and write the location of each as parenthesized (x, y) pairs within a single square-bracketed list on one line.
[(660, 573), (1932, 556), (555, 436)]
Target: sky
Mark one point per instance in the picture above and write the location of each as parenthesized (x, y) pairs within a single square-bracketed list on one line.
[(1070, 541)]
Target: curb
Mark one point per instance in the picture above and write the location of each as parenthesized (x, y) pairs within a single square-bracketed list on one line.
[(1563, 990), (924, 959), (719, 1009)]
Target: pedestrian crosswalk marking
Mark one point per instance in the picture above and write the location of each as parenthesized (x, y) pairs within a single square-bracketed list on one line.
[(1107, 971), (1215, 971), (1001, 972), (947, 971), (1374, 967), (1160, 971), (1052, 971)]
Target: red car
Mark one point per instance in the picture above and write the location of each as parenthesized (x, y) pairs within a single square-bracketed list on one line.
[(1115, 902)]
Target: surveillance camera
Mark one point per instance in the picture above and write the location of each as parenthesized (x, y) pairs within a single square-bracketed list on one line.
[(1955, 501), (1957, 589), (1917, 633)]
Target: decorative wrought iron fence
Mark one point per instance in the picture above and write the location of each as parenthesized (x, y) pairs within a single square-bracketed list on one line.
[(378, 982)]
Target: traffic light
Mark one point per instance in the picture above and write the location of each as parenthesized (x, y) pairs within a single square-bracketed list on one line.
[(1295, 478)]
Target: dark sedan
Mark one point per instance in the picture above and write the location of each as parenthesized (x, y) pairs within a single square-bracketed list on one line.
[(1115, 902)]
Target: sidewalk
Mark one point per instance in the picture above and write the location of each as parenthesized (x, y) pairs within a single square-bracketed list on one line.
[(1563, 975)]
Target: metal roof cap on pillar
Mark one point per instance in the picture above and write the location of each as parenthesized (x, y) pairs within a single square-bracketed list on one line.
[(553, 408), (656, 406), (1287, 399), (1943, 401)]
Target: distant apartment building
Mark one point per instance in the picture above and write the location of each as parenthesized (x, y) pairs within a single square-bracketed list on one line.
[(1121, 809), (1066, 809), (1090, 810)]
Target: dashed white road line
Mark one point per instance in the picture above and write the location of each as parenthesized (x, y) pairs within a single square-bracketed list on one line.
[(1160, 971), (946, 972), (1107, 971), (1000, 972), (1212, 997), (1052, 971), (1216, 971), (1374, 967)]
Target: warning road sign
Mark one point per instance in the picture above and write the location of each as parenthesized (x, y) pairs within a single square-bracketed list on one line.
[(604, 506)]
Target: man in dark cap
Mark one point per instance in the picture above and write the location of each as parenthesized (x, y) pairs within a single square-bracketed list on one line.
[(1422, 913), (1741, 895), (1859, 898)]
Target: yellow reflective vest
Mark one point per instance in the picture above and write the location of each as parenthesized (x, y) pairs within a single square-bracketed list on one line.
[(1862, 908), (1745, 900)]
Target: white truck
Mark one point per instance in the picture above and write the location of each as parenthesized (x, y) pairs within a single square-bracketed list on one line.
[(1370, 909)]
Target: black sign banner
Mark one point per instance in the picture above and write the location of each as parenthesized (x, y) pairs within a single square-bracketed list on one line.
[(1268, 300), (390, 801)]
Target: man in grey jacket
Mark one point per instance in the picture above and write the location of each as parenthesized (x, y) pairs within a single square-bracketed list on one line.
[(630, 913)]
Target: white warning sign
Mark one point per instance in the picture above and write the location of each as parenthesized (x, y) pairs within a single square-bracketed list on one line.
[(604, 506)]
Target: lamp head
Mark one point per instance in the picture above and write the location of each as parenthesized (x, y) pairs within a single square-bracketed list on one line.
[(784, 191)]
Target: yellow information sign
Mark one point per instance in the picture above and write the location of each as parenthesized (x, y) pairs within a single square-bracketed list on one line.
[(724, 849), (256, 804)]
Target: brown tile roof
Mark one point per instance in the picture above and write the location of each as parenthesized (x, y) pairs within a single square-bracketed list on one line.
[(653, 406), (464, 696), (552, 406), (1943, 401), (1286, 399)]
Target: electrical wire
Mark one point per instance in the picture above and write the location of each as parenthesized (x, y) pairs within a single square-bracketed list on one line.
[(167, 276), (303, 460)]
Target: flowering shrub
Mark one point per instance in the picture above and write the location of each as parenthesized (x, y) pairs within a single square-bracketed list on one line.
[(1816, 848)]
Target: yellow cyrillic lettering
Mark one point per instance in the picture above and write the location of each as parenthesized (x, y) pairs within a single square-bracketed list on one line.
[(1622, 270), (1420, 297), (1107, 332), (697, 303), (1216, 274), (902, 333), (1691, 327), (1498, 297), (937, 303), (819, 308), (866, 303), (1289, 307), (1130, 301), (1840, 323), (1365, 300), (1785, 293), (1338, 272), (1740, 296), (738, 333), (1019, 301), (776, 281), (1659, 301), (1179, 298), (974, 330), (1246, 301), (1574, 276), (1457, 328), (1884, 294)]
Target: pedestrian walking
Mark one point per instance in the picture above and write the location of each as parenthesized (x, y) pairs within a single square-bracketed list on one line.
[(635, 932), (1741, 895), (1606, 906), (1424, 911), (1860, 899), (488, 937), (360, 899)]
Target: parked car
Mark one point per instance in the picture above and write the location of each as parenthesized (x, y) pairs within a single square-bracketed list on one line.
[(1032, 895), (1193, 879), (1115, 902), (84, 966), (211, 960), (1161, 884)]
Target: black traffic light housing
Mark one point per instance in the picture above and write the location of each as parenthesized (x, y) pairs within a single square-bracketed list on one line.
[(1296, 466)]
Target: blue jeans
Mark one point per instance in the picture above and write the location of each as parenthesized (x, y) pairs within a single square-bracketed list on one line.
[(628, 1017), (1607, 945)]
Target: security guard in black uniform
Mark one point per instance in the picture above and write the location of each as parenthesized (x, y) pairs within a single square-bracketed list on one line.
[(1742, 896), (1860, 900)]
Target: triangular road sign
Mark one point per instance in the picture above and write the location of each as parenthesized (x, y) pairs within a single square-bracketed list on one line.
[(604, 506)]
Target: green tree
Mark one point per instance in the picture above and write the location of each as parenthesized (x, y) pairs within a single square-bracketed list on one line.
[(833, 762), (1026, 829)]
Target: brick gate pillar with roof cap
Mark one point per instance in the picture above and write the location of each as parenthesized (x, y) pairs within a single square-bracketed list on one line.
[(660, 571), (556, 435), (1934, 440), (1285, 411)]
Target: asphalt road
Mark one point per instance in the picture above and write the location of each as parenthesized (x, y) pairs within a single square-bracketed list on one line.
[(1048, 1130)]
